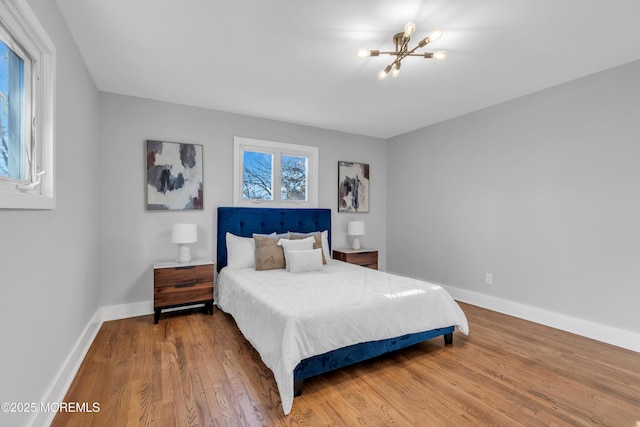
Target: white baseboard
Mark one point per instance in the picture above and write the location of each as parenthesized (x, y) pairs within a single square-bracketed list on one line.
[(67, 372), (585, 328), (122, 311)]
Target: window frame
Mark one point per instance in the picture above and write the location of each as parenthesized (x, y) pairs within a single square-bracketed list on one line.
[(277, 149), (36, 191)]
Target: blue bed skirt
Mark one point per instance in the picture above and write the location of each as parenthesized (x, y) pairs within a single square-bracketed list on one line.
[(346, 356)]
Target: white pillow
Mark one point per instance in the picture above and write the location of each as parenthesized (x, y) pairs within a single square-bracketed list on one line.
[(240, 251), (295, 245), (302, 261)]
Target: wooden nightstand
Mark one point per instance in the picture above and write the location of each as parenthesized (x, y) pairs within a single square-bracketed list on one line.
[(176, 284), (364, 257)]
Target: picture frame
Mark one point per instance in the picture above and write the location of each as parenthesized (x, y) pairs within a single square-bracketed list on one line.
[(174, 178), (353, 187)]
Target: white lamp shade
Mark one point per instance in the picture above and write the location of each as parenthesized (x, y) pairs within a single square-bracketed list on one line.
[(355, 228), (184, 233)]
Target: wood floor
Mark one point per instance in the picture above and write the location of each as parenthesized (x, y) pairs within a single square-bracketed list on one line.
[(197, 370)]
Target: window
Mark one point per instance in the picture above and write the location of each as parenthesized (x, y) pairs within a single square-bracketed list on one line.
[(15, 94), (27, 73), (274, 174)]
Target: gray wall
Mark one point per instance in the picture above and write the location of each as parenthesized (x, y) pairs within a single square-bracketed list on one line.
[(132, 238), (542, 191), (48, 259)]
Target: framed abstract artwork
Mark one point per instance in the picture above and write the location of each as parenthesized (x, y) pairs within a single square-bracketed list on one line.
[(174, 176), (353, 187)]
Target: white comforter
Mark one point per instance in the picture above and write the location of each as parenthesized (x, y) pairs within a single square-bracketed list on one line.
[(288, 317)]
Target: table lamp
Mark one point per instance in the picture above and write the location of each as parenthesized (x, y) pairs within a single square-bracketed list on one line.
[(355, 229), (182, 234)]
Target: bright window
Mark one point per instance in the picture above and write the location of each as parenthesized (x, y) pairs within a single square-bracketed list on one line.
[(293, 183), (27, 77), (15, 151), (270, 173), (257, 176)]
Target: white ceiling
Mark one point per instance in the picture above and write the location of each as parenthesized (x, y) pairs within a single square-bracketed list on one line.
[(294, 60)]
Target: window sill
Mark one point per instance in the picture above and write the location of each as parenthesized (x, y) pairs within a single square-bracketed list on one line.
[(14, 200)]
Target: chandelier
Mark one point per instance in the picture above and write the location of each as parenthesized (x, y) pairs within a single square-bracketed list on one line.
[(401, 41)]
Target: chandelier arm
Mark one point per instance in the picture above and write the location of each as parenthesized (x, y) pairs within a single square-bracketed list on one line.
[(398, 60), (410, 53), (403, 52)]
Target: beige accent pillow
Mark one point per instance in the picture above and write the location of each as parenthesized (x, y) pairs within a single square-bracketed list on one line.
[(269, 256), (317, 244)]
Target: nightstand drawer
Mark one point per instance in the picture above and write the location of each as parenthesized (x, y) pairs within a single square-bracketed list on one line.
[(182, 294), (187, 275), (364, 258)]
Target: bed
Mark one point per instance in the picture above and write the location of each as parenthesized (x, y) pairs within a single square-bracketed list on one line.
[(310, 323)]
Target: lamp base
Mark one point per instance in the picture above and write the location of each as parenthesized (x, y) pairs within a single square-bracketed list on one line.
[(355, 243), (184, 253)]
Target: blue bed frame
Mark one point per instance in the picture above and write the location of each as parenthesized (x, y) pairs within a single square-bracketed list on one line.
[(244, 222)]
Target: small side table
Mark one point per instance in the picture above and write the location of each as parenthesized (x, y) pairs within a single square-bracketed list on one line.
[(178, 284), (364, 257)]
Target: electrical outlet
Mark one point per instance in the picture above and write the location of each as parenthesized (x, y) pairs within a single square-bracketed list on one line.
[(488, 279)]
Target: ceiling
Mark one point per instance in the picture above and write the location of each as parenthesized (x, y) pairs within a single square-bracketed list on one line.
[(294, 60)]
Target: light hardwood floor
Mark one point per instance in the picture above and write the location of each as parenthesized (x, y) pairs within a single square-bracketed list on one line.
[(193, 369)]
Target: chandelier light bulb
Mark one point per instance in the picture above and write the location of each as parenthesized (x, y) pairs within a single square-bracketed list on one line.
[(363, 53), (382, 74), (435, 35), (441, 55), (396, 71), (409, 29)]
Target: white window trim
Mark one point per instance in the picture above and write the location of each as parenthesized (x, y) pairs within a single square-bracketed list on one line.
[(240, 145), (22, 23)]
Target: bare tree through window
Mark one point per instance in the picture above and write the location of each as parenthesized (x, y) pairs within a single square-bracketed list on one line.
[(258, 176), (294, 178)]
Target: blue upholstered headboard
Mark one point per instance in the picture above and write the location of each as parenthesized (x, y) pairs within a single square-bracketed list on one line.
[(246, 221)]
